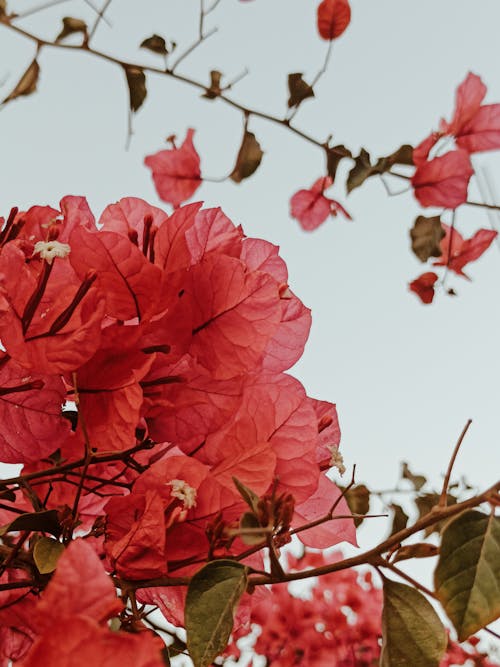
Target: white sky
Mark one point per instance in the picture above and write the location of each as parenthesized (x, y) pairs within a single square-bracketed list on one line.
[(405, 377)]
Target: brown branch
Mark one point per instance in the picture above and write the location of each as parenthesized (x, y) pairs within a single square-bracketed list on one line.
[(444, 492), (436, 515), (96, 458), (491, 207), (246, 110)]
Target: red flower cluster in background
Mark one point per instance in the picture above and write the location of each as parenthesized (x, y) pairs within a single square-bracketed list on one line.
[(339, 623), (171, 334)]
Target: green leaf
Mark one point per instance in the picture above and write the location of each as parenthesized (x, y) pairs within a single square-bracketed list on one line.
[(249, 157), (249, 496), (467, 576), (412, 633), (136, 81), (212, 598), (46, 553), (43, 522)]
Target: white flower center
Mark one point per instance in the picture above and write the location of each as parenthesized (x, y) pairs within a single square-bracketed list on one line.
[(184, 492), (337, 460), (50, 249)]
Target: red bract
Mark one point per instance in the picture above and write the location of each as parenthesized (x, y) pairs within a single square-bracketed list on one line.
[(311, 207), (30, 413), (80, 642), (474, 126), (457, 252), (176, 171), (126, 279), (168, 338), (423, 286), (444, 180), (333, 18), (470, 94)]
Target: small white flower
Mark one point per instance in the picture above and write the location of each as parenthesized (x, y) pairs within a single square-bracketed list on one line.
[(50, 249), (337, 460), (184, 492)]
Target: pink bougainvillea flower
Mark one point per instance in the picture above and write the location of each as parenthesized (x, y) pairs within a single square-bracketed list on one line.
[(176, 171), (457, 251), (444, 180), (333, 18), (474, 126), (470, 93), (311, 208), (423, 286)]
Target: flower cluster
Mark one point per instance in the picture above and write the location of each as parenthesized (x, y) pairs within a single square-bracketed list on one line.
[(166, 339)]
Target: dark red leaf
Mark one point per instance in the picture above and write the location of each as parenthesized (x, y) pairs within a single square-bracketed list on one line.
[(333, 18), (423, 286)]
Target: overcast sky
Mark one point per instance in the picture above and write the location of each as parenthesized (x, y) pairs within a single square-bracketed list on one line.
[(405, 377)]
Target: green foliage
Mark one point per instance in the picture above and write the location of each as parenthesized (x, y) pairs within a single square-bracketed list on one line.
[(46, 553), (411, 629), (212, 598), (467, 576)]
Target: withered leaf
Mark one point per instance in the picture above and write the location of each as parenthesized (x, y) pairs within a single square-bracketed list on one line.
[(333, 157), (298, 88), (249, 157), (403, 155), (3, 8), (363, 168), (214, 90), (426, 235), (417, 550), (358, 499), (26, 84), (417, 480), (136, 80), (360, 172), (71, 26), (399, 520), (156, 44), (426, 502)]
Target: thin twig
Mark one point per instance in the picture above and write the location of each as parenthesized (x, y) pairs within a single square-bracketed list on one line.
[(444, 493), (38, 8), (248, 111), (318, 76), (100, 17), (97, 10), (431, 518), (193, 46), (479, 204)]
